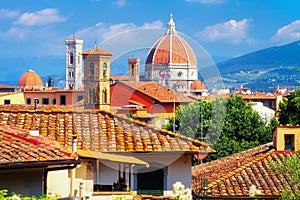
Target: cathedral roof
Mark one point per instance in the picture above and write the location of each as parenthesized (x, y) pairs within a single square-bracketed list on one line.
[(30, 78), (171, 49)]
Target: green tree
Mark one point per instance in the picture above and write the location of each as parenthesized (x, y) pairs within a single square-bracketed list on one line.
[(230, 125), (289, 109), (290, 165)]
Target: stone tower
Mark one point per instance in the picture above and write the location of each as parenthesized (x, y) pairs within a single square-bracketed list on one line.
[(97, 79), (134, 69), (73, 63)]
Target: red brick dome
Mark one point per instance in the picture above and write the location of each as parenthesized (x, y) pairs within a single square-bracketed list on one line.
[(171, 49), (197, 85), (30, 79)]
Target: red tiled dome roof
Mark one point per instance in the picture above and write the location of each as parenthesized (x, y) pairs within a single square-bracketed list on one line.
[(197, 85), (30, 78), (171, 48)]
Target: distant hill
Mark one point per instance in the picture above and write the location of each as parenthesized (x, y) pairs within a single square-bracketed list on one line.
[(263, 70)]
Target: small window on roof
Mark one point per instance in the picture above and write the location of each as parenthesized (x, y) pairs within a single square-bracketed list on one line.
[(289, 142)]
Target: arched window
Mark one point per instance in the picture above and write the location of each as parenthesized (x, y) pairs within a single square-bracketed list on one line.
[(71, 58), (104, 96), (104, 70), (92, 70), (132, 70), (91, 99)]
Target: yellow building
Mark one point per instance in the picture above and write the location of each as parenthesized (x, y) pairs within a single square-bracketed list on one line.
[(286, 139), (12, 98)]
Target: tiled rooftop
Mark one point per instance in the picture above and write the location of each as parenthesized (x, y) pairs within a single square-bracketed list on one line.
[(96, 50), (18, 145), (158, 92), (98, 130), (228, 178)]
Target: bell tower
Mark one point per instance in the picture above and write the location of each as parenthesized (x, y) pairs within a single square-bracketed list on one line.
[(134, 69), (73, 63), (97, 79)]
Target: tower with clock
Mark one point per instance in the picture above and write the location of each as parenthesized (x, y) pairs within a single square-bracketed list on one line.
[(73, 63)]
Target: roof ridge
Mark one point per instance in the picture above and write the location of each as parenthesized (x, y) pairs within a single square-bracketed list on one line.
[(243, 167)]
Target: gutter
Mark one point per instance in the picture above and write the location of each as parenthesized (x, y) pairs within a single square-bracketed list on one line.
[(39, 164)]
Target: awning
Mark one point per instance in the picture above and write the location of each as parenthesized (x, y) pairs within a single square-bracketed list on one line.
[(111, 157)]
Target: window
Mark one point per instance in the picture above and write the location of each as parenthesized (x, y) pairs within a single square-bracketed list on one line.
[(79, 97), (104, 96), (62, 99), (104, 70), (132, 70), (92, 70), (54, 101), (289, 142), (91, 96), (45, 101), (78, 59), (28, 101), (71, 58), (6, 101)]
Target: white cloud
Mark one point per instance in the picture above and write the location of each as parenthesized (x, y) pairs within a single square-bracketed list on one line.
[(104, 31), (5, 13), (231, 31), (155, 24), (288, 33), (118, 28), (42, 17), (208, 1), (120, 3)]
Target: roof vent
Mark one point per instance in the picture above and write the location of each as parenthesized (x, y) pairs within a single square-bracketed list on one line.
[(35, 133)]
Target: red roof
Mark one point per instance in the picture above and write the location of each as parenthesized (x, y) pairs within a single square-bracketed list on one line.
[(97, 51), (234, 175), (98, 130), (17, 145), (198, 85), (177, 53)]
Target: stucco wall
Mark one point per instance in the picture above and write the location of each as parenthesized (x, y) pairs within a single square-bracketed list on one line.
[(26, 183), (15, 98)]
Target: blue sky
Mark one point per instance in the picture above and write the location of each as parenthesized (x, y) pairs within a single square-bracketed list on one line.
[(226, 28)]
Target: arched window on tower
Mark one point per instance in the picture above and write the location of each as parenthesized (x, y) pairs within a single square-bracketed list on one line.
[(92, 70), (71, 58), (104, 96), (104, 70), (132, 70), (91, 99), (78, 59)]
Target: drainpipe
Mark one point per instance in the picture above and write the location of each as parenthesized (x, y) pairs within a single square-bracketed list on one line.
[(73, 171)]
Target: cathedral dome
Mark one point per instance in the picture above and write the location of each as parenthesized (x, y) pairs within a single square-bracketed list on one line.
[(171, 49), (30, 79)]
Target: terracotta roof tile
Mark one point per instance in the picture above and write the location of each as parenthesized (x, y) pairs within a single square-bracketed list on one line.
[(17, 145), (96, 50), (157, 91), (100, 131), (225, 178)]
